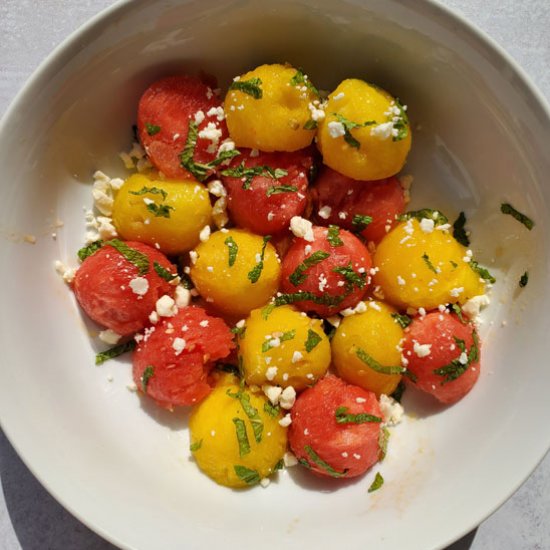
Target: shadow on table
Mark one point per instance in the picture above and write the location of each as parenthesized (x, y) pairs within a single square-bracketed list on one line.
[(39, 522)]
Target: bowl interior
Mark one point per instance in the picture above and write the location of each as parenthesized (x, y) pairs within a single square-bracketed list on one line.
[(122, 466)]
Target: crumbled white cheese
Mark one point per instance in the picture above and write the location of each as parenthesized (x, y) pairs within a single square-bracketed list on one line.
[(325, 212), (199, 117), (334, 320), (455, 292), (289, 460), (288, 398), (178, 345), (401, 281), (68, 273), (273, 393), (182, 296), (204, 323), (297, 356), (271, 373), (285, 421), (474, 305), (204, 234), (422, 350), (109, 336), (317, 114), (361, 307), (193, 256), (302, 228), (392, 411), (336, 129), (463, 358), (382, 131), (427, 225), (219, 212), (154, 317), (338, 97), (166, 306), (139, 286), (103, 192), (217, 112), (264, 482), (216, 188)]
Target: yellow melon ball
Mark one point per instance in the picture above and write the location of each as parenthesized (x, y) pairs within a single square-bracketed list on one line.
[(365, 349), (236, 437), (235, 270), (282, 346), (269, 109), (365, 134), (420, 265), (170, 214)]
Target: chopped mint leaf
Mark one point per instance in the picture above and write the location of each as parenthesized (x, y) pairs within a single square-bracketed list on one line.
[(152, 129), (482, 272), (352, 278), (301, 79), (429, 213), (333, 236), (232, 250), (455, 368), (251, 412), (251, 87), (271, 410), (310, 125), (266, 346), (164, 273), (89, 249), (291, 298), (506, 208), (360, 222), (312, 340), (428, 262), (267, 310), (524, 279), (343, 417), (250, 477), (277, 189), (298, 276), (256, 271), (459, 231), (194, 447), (115, 351), (242, 437), (402, 320), (141, 261), (250, 172), (377, 483), (150, 190), (146, 376), (375, 365), (349, 125), (315, 458)]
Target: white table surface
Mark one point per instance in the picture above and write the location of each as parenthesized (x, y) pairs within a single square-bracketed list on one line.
[(30, 519)]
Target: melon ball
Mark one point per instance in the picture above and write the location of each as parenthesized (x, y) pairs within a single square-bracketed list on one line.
[(365, 349), (236, 437), (281, 346), (420, 265), (166, 214), (365, 134), (235, 270), (271, 109)]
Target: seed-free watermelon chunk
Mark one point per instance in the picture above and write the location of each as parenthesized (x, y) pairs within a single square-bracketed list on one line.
[(443, 355), (165, 111), (333, 269), (113, 292), (173, 359), (272, 190), (335, 429), (344, 201)]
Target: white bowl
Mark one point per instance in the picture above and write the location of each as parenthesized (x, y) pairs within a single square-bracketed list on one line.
[(122, 466)]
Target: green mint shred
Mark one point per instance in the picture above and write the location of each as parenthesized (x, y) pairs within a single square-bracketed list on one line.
[(148, 373), (251, 87), (459, 230), (312, 340), (298, 276), (232, 250), (89, 249), (507, 208), (315, 458), (250, 477), (333, 236), (152, 129), (343, 417), (115, 351), (141, 261), (377, 483), (256, 271)]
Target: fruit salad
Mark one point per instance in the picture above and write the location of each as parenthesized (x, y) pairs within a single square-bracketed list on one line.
[(261, 266)]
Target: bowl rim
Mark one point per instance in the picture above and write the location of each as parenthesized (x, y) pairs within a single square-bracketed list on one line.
[(84, 33)]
